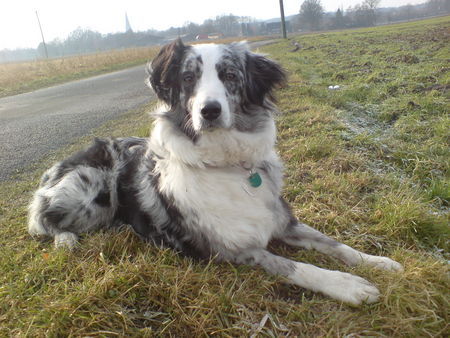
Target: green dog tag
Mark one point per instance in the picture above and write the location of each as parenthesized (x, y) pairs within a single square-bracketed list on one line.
[(255, 180)]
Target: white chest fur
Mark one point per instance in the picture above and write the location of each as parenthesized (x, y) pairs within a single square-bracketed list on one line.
[(210, 187), (221, 203)]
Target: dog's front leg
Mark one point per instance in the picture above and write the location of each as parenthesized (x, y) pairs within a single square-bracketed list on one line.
[(304, 236), (338, 285)]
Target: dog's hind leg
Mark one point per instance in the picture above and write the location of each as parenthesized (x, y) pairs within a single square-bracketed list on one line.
[(338, 285), (66, 240), (302, 235), (77, 195), (83, 200)]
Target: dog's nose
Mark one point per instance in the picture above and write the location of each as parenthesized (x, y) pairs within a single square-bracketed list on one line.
[(211, 110)]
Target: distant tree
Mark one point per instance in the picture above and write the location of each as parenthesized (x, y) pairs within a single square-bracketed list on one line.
[(311, 13), (295, 21), (191, 28), (364, 14), (437, 7), (82, 41), (208, 26), (409, 11), (339, 20), (370, 7), (228, 25), (20, 54), (389, 17)]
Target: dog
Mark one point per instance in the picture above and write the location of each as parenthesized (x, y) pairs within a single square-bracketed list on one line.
[(207, 182)]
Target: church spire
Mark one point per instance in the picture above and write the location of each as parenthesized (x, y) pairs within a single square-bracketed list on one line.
[(127, 24)]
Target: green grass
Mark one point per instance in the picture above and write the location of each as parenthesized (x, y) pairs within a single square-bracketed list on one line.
[(367, 164)]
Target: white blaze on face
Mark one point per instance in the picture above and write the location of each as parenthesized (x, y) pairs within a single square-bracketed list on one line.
[(210, 88)]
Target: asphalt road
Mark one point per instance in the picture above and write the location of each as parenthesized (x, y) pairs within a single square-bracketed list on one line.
[(36, 123)]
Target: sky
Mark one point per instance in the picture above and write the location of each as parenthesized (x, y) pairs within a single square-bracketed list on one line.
[(19, 27)]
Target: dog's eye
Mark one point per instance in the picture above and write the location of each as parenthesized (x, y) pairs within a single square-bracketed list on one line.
[(188, 78), (230, 76)]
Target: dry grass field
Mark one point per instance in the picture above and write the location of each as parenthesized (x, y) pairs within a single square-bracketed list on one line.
[(21, 77), (367, 163)]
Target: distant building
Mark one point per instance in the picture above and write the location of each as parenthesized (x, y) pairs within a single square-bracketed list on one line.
[(127, 25), (273, 26), (213, 36), (201, 37)]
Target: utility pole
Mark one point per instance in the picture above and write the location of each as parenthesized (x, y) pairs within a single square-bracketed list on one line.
[(283, 22), (42, 34)]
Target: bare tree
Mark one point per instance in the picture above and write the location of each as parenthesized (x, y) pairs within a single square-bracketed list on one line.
[(339, 20), (438, 7), (228, 25), (311, 13), (191, 28), (364, 14), (409, 11), (208, 26), (370, 7)]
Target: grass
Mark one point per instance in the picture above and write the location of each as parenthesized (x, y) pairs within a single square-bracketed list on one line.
[(16, 78), (21, 77), (362, 164)]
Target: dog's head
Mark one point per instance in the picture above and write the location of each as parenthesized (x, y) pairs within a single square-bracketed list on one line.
[(212, 86)]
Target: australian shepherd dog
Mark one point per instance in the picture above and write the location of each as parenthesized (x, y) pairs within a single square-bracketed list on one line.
[(207, 182)]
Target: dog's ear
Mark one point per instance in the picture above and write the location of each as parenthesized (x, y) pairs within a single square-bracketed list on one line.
[(164, 71), (263, 75)]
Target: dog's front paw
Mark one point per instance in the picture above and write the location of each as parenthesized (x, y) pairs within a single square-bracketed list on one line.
[(350, 288), (341, 286), (66, 240), (383, 263)]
